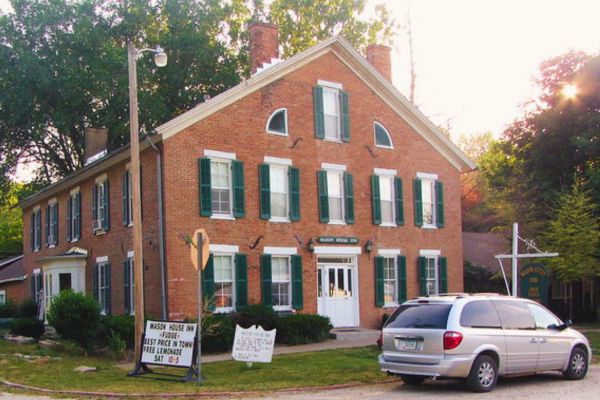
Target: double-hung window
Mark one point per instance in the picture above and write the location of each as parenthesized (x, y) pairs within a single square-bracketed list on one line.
[(52, 223), (281, 283), (129, 285), (331, 112), (225, 279), (36, 229), (279, 190), (221, 185), (2, 297), (433, 274), (127, 196), (102, 284), (388, 204), (74, 216), (390, 278), (429, 201), (281, 278), (336, 194), (100, 206)]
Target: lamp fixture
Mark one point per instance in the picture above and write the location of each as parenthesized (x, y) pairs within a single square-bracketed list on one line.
[(310, 245), (369, 246)]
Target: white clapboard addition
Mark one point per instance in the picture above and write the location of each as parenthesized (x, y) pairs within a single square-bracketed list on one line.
[(169, 343), (253, 344)]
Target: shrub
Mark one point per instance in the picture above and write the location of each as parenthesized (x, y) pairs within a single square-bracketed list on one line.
[(302, 328), (28, 309), (122, 326), (8, 309), (217, 333), (116, 344), (75, 317), (30, 327), (256, 314)]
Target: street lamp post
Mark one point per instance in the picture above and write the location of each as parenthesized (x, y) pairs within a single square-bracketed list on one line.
[(160, 59)]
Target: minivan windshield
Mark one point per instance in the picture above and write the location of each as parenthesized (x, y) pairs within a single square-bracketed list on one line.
[(421, 316)]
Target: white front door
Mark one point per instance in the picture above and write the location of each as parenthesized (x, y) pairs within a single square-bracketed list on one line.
[(338, 299)]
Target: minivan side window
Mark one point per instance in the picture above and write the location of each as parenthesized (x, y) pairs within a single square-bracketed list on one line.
[(514, 315), (542, 317), (480, 314)]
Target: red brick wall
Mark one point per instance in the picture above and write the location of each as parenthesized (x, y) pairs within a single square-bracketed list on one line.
[(15, 291), (240, 128), (115, 243)]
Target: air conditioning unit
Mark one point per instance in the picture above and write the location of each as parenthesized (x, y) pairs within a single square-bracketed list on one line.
[(97, 225)]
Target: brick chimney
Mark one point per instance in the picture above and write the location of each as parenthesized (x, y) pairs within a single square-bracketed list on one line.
[(96, 140), (264, 44), (380, 57)]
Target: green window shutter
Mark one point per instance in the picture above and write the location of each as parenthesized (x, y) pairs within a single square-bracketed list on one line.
[(108, 290), (294, 185), (297, 294), (47, 225), (422, 265), (94, 204), (32, 231), (38, 230), (77, 233), (345, 117), (264, 177), (379, 300), (399, 201), (402, 290), (417, 189), (95, 283), (204, 186), (237, 172), (32, 287), (265, 275), (127, 287), (443, 273), (323, 197), (208, 284), (376, 199), (241, 280), (439, 204), (106, 225), (125, 198), (318, 111), (55, 223), (349, 197), (69, 218)]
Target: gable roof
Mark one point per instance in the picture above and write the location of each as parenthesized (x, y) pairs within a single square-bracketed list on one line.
[(355, 62), (12, 270)]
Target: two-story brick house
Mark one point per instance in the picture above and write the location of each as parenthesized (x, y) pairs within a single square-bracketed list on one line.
[(321, 188)]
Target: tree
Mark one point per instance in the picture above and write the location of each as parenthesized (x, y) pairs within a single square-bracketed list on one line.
[(11, 221), (574, 232), (303, 24)]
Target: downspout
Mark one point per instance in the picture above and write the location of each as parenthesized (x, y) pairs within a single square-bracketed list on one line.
[(161, 236)]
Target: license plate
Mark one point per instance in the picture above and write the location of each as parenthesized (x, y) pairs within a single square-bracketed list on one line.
[(408, 344)]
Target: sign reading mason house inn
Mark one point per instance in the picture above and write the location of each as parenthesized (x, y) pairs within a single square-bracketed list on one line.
[(169, 343), (534, 282), (337, 240)]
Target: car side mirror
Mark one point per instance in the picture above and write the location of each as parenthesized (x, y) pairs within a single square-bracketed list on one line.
[(553, 327), (568, 323), (562, 326)]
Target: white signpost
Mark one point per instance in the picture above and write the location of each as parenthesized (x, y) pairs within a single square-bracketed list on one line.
[(253, 344), (169, 343)]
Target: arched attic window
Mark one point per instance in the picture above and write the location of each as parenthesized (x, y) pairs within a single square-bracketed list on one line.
[(277, 123), (382, 137)]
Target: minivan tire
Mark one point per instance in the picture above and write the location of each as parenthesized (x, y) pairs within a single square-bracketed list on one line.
[(483, 375), (412, 380), (578, 365)]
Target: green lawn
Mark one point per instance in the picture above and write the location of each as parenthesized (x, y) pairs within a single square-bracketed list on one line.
[(594, 338), (295, 370)]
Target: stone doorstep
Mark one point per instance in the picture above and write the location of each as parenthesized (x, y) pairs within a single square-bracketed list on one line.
[(354, 334)]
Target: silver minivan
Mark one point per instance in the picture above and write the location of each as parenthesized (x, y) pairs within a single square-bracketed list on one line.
[(479, 337)]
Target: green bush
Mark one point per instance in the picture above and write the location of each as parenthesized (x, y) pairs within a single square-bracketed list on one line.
[(256, 314), (28, 309), (76, 317), (217, 333), (302, 328), (8, 309), (30, 327), (122, 326)]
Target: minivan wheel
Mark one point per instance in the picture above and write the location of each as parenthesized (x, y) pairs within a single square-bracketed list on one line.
[(578, 365), (483, 375), (412, 380)]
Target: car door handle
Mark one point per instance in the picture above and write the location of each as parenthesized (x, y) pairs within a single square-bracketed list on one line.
[(533, 340), (543, 340)]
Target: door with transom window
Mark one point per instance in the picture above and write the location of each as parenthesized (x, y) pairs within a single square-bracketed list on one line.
[(337, 296)]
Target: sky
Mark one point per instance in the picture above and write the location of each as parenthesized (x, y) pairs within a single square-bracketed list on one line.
[(475, 59)]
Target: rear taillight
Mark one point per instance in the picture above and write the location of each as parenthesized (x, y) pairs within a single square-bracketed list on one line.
[(380, 339), (452, 340)]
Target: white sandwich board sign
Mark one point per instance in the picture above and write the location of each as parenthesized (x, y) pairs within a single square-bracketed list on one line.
[(253, 344), (169, 343)]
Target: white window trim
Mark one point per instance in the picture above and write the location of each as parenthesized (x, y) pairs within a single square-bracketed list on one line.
[(289, 265), (329, 84), (425, 175), (52, 203), (37, 246), (102, 259), (227, 249), (219, 154), (436, 278), (285, 113), (430, 253), (223, 216), (338, 250), (37, 271), (229, 216), (277, 160), (130, 254), (389, 252), (73, 198), (74, 191), (3, 295), (100, 272), (336, 90), (384, 172), (375, 136), (101, 178), (387, 173), (342, 191), (280, 251), (233, 277), (333, 167), (393, 303)]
